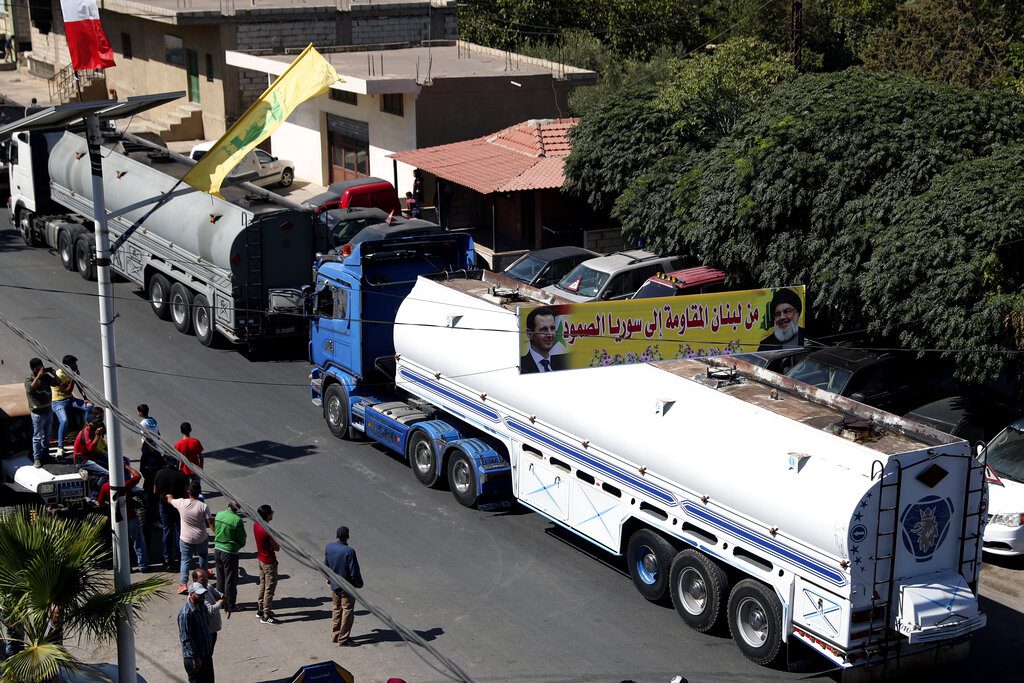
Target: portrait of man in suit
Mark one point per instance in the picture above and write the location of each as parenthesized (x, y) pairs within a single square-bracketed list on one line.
[(541, 333)]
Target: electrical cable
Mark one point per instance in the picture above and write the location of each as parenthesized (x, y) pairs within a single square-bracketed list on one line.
[(449, 669)]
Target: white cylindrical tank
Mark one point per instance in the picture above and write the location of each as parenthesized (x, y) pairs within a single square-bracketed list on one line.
[(708, 442)]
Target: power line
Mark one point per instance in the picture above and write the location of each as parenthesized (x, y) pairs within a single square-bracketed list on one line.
[(449, 669)]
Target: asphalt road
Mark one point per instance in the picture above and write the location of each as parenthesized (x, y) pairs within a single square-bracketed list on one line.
[(505, 594)]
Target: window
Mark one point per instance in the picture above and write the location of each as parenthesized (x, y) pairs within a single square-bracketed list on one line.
[(344, 96), (621, 285), (332, 302), (126, 45), (391, 103), (263, 157), (174, 50), (209, 68)]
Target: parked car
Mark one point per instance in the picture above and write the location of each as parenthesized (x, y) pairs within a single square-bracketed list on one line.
[(613, 277), (545, 267), (1004, 456), (698, 280), (414, 227), (366, 192), (893, 382), (344, 224), (779, 360), (269, 169), (975, 419)]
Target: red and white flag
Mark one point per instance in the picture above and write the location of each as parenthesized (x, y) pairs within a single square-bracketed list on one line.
[(87, 42)]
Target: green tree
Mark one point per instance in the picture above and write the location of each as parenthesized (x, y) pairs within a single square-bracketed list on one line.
[(53, 572)]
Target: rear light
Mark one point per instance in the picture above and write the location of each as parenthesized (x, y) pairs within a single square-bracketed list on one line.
[(347, 250), (821, 643)]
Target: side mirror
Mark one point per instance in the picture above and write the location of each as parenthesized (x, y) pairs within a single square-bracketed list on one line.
[(308, 301), (857, 396)]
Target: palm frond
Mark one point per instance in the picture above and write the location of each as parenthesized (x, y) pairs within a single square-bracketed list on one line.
[(37, 663)]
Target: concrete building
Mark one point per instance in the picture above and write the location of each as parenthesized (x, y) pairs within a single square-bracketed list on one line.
[(165, 45), (402, 99)]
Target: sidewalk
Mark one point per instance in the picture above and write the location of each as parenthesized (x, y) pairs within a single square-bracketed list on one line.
[(18, 87)]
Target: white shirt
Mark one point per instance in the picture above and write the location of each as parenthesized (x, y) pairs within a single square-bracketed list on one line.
[(537, 358)]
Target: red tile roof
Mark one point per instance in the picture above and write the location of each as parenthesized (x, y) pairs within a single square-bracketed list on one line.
[(527, 156)]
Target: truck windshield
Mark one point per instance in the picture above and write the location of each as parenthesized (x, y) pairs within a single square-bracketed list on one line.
[(817, 374), (653, 288), (1006, 454), (525, 269), (583, 281)]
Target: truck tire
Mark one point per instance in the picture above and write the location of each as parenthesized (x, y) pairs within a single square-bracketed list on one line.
[(698, 588), (462, 478), (755, 621), (181, 307), (83, 259), (649, 558), (287, 176), (202, 321), (336, 410), (159, 294), (66, 248), (423, 460), (25, 228)]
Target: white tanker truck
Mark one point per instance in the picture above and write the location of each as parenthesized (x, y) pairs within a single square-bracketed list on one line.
[(214, 267), (743, 498)]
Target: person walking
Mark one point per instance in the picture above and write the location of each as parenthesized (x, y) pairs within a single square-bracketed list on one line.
[(195, 520), (195, 636), (341, 559), (266, 554), (228, 539), (169, 482), (135, 534), (192, 449), (215, 604), (38, 389), (65, 401)]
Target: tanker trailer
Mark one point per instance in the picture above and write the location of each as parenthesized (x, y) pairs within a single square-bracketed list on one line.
[(215, 268)]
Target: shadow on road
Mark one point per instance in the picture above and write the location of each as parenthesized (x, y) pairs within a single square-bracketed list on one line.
[(10, 240), (259, 453), (387, 635), (286, 610), (1013, 562)]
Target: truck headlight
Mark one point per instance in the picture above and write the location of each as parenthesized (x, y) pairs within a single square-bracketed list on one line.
[(47, 489), (1014, 519)]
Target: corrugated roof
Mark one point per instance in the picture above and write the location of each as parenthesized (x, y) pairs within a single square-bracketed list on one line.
[(527, 156)]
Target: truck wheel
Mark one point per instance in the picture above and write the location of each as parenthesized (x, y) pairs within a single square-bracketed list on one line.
[(423, 459), (336, 410), (181, 307), (755, 621), (83, 258), (25, 228), (649, 557), (160, 295), (462, 478), (202, 321), (67, 251), (287, 176), (698, 589)]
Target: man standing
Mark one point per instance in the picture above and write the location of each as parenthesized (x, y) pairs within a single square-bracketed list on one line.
[(215, 604), (38, 389), (228, 539), (169, 482), (196, 640), (266, 554), (785, 307), (192, 449), (135, 534), (146, 423), (195, 520), (341, 559), (541, 333), (64, 400)]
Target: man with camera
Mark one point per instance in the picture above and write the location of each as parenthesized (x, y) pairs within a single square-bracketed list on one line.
[(38, 389)]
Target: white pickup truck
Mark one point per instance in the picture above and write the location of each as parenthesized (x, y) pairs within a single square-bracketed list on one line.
[(56, 485)]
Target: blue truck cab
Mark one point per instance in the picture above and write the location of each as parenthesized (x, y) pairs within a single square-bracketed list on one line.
[(352, 307)]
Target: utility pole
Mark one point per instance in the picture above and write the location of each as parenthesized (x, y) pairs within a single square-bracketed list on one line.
[(118, 512), (796, 33)]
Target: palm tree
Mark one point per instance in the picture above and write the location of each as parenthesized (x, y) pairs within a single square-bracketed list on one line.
[(55, 584)]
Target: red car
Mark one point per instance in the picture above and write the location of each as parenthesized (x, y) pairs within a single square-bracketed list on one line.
[(699, 280)]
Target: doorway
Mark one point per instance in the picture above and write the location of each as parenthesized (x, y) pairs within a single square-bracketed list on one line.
[(192, 59)]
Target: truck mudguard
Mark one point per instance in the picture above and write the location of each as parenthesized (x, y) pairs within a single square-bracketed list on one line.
[(440, 434), (489, 462)]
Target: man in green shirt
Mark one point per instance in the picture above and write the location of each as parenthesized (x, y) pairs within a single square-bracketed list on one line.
[(38, 389), (228, 540)]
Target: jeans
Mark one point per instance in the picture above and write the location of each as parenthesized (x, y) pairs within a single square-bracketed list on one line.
[(171, 526), (205, 673), (61, 408), (41, 435), (268, 584), (139, 542), (98, 471), (187, 551), (227, 575)]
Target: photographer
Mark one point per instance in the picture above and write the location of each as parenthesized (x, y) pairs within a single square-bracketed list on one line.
[(91, 446), (38, 388)]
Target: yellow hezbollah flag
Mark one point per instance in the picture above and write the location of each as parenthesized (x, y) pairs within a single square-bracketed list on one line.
[(308, 76)]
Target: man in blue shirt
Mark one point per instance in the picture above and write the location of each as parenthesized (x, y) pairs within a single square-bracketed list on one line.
[(342, 561), (196, 641)]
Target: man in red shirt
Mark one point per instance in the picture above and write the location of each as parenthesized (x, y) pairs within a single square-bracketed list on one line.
[(266, 553), (138, 539), (191, 449)]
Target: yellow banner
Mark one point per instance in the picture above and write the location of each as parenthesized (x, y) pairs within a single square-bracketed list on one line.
[(602, 333), (307, 77)]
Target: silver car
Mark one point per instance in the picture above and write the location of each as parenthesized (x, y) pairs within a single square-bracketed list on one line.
[(612, 277), (264, 168)]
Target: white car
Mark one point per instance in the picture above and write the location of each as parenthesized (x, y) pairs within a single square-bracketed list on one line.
[(269, 169), (1004, 457), (612, 277)]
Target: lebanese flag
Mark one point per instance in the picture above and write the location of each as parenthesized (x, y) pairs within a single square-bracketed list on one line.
[(87, 42)]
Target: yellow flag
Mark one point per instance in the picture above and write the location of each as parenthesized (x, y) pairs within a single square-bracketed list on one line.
[(308, 76)]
